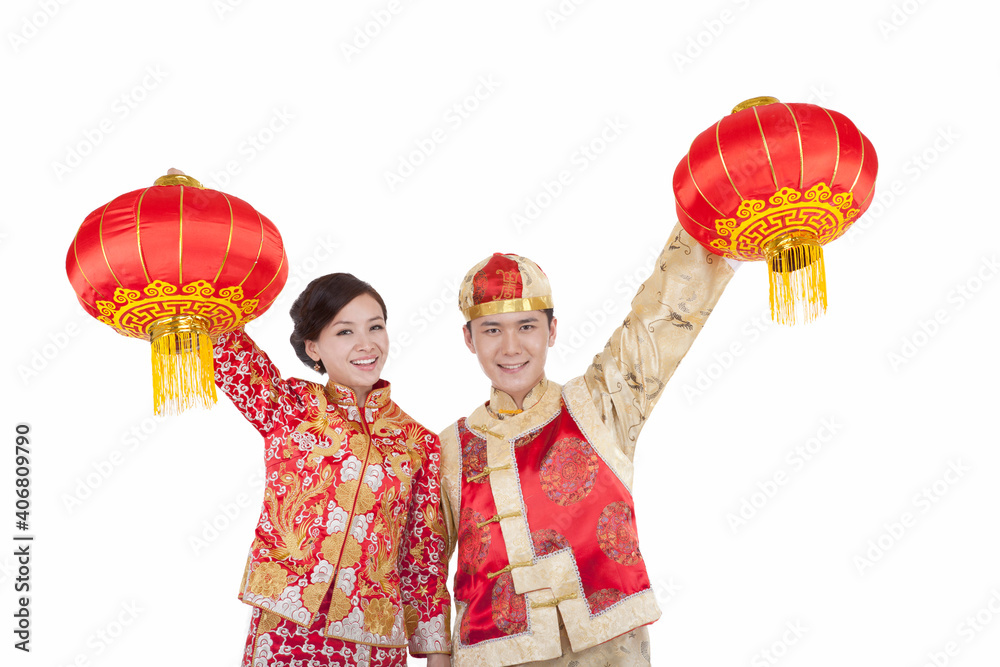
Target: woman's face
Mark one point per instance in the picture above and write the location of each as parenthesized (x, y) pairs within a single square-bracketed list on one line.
[(353, 345)]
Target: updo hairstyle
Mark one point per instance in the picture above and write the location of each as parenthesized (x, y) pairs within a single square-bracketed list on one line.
[(319, 303)]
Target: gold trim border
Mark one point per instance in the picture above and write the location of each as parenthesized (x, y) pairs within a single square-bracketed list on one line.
[(507, 306)]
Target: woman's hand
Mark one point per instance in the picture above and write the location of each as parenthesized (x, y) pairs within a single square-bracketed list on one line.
[(438, 660)]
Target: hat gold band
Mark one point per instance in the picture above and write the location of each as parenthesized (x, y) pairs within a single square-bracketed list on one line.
[(507, 306)]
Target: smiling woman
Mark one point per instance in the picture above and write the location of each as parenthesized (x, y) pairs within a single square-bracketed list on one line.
[(353, 346), (346, 565), (340, 325)]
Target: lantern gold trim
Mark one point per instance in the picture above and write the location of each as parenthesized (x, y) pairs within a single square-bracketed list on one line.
[(797, 276), (179, 179), (183, 368), (754, 102)]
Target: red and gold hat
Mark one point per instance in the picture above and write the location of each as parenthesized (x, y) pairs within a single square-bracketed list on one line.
[(504, 284)]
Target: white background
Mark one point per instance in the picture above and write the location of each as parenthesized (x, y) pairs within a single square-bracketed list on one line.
[(102, 97)]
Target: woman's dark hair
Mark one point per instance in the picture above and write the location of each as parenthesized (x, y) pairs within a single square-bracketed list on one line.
[(319, 303)]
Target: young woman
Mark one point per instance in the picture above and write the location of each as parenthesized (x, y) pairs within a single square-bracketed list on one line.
[(347, 564)]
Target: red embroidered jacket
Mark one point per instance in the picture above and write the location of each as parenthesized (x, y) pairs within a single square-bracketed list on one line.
[(351, 507), (538, 502)]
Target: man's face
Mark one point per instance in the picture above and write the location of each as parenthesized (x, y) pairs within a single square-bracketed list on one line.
[(511, 348)]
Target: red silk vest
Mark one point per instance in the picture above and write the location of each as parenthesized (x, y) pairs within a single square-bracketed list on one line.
[(573, 502)]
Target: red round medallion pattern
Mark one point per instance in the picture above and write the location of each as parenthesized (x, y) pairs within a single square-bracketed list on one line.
[(568, 471), (524, 439), (509, 612), (602, 599), (473, 453), (616, 536), (547, 541), (473, 541), (463, 628)]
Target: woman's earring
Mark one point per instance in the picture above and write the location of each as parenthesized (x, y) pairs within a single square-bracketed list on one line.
[(317, 368)]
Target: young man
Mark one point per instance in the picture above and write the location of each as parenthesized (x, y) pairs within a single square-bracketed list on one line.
[(537, 482)]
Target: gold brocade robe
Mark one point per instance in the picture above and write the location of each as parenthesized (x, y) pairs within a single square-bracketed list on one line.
[(538, 503)]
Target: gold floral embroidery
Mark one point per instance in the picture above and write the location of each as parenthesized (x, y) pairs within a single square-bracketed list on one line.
[(330, 548), (352, 553), (411, 617), (340, 606), (312, 595), (346, 493), (379, 616), (268, 580), (268, 622), (360, 447)]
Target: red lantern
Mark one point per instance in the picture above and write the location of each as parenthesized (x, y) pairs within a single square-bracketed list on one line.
[(173, 264), (777, 182)]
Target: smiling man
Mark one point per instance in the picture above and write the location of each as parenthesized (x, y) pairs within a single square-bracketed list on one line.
[(537, 482)]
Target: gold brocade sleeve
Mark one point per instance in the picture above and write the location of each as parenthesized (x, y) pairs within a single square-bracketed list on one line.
[(450, 484), (627, 377)]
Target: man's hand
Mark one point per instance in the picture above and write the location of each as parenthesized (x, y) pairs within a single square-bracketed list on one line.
[(438, 660)]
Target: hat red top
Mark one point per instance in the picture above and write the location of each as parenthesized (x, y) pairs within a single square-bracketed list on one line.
[(504, 283)]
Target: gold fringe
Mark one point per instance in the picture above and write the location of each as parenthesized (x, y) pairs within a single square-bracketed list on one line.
[(183, 368), (797, 275)]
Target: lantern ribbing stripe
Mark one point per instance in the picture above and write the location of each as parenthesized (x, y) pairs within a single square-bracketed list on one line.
[(100, 237), (180, 238), (79, 266), (696, 187), (802, 155), (718, 147), (836, 134), (862, 165), (276, 274), (138, 237), (229, 241), (767, 151)]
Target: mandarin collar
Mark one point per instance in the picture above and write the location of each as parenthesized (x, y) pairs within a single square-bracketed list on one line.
[(377, 398), (502, 405)]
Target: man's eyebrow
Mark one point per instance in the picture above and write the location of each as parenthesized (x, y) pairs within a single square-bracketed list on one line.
[(495, 323)]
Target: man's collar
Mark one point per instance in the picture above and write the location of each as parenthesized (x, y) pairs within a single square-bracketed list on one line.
[(502, 405)]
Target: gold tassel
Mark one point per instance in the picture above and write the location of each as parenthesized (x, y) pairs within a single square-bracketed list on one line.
[(183, 368), (798, 279)]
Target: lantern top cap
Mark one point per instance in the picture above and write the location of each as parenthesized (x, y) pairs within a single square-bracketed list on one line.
[(754, 102), (177, 177)]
